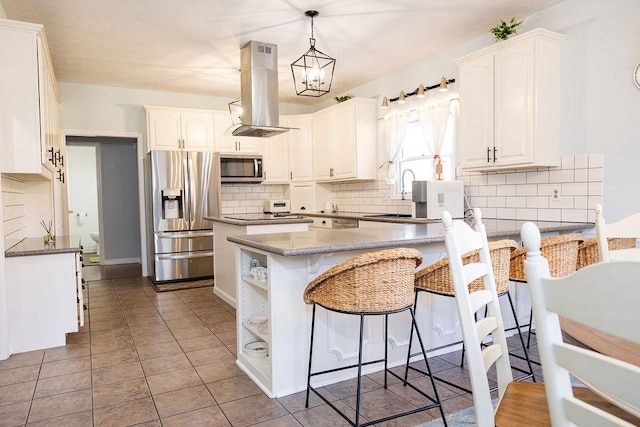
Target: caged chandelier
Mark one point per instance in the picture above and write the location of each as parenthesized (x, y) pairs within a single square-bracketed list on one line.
[(313, 71)]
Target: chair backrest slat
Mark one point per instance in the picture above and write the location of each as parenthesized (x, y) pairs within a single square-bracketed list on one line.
[(602, 296), (459, 239), (624, 228)]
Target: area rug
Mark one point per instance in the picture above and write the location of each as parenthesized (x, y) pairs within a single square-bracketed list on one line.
[(463, 418), (179, 286)]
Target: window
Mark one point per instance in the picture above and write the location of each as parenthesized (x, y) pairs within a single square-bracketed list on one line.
[(416, 156)]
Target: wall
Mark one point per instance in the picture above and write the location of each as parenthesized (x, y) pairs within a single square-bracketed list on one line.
[(248, 198), (13, 210), (82, 186)]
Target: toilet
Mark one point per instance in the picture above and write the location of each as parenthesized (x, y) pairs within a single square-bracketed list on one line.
[(96, 238)]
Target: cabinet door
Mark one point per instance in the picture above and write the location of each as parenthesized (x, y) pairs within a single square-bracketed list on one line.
[(514, 103), (164, 129), (322, 135), (275, 155), (300, 148), (343, 142), (247, 144), (476, 112), (197, 131)]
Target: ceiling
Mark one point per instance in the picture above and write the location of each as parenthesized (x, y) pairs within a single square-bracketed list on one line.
[(193, 46)]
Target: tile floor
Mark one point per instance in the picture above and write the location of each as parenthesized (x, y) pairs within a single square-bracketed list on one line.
[(167, 359)]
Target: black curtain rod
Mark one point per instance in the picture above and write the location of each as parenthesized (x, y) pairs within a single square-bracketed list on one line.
[(425, 89)]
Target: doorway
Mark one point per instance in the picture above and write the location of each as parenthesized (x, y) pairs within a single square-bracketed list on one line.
[(103, 198)]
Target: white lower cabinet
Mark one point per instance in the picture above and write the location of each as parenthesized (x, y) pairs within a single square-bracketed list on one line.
[(44, 303)]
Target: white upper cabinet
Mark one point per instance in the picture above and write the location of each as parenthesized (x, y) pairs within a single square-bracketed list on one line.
[(300, 147), (344, 139), (176, 129), (230, 143), (30, 113), (275, 157), (509, 103)]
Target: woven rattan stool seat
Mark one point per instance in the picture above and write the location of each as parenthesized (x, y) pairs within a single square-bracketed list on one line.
[(436, 278), (588, 250), (560, 251), (374, 282)]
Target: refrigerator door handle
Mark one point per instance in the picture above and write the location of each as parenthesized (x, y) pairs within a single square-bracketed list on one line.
[(187, 188), (174, 235), (185, 256), (255, 167)]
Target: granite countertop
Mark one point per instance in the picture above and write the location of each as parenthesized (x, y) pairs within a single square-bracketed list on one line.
[(259, 219), (318, 241), (36, 246), (365, 216)]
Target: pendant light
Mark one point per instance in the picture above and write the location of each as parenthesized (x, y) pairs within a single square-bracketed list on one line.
[(313, 71)]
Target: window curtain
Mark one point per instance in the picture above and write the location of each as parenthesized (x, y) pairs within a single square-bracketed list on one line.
[(433, 120), (395, 130)]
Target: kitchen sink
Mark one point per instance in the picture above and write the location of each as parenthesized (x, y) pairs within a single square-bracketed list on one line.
[(388, 216)]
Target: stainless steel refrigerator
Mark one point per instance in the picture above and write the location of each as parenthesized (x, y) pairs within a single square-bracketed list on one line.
[(185, 188)]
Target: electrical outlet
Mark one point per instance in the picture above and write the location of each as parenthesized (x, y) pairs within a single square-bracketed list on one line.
[(555, 194)]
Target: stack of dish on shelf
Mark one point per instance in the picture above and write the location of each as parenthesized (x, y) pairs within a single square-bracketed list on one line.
[(259, 323), (259, 273), (257, 349)]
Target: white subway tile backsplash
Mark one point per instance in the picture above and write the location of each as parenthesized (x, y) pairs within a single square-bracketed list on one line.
[(517, 178), (580, 202), (561, 175), (595, 189), (582, 161), (478, 180), (527, 214), (505, 190), (496, 179), (549, 214), (581, 175), (575, 215), (487, 190), (538, 177), (496, 202), (596, 161), (595, 175), (538, 202), (505, 213), (568, 162), (575, 189), (516, 202), (527, 190)]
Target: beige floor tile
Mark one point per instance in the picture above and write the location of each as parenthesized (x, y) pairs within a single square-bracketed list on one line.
[(160, 365), (69, 351), (222, 327), (79, 419), (219, 317), (153, 338), (117, 373), (123, 344), (233, 389), (183, 400), (211, 416), (15, 393), (252, 410), (22, 359), (65, 366), (14, 414), (113, 323), (103, 360), (60, 404), (63, 384), (219, 371), (228, 338), (183, 313), (19, 375), (98, 337), (148, 328), (192, 332), (324, 415), (123, 391), (135, 319), (209, 356), (200, 343), (175, 380), (126, 413), (159, 350), (286, 421), (184, 322)]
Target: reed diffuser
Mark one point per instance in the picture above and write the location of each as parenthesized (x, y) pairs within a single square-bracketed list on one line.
[(48, 237)]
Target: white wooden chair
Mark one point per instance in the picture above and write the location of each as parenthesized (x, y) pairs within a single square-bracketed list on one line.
[(602, 296), (628, 227), (519, 402)]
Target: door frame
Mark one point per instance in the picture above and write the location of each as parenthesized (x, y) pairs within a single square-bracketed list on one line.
[(140, 154)]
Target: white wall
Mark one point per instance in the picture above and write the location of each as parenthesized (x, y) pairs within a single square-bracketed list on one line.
[(83, 193)]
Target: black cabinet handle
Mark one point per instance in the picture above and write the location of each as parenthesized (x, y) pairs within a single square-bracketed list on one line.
[(488, 154), (494, 154)]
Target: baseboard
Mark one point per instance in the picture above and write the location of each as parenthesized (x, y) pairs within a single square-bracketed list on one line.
[(224, 296), (119, 261)]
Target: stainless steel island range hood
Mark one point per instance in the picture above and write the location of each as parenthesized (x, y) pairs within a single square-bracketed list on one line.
[(259, 91)]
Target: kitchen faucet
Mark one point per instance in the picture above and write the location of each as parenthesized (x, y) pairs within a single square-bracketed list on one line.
[(402, 192)]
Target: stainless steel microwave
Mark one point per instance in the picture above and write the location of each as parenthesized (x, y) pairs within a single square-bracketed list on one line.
[(240, 168)]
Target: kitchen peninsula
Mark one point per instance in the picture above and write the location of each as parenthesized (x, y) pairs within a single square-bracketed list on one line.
[(294, 259), (243, 224)]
